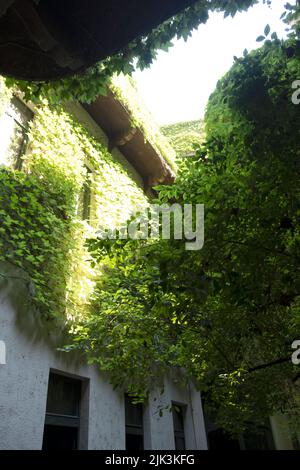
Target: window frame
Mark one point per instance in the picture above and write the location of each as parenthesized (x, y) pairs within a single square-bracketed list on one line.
[(179, 433), (134, 429), (78, 421)]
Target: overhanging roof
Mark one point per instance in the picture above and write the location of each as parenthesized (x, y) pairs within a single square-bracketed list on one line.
[(50, 39), (115, 120)]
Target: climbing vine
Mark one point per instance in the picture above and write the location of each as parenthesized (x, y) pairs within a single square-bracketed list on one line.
[(35, 235), (41, 230)]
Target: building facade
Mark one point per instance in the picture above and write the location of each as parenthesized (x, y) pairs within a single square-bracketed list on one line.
[(50, 399), (53, 400)]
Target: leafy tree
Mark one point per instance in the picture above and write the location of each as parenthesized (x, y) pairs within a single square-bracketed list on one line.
[(183, 136), (226, 315)]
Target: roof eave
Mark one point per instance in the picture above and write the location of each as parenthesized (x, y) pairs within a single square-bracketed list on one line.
[(115, 120)]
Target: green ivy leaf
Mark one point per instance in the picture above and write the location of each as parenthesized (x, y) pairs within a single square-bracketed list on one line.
[(267, 30)]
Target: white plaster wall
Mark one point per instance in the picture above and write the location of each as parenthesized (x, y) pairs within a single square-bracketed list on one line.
[(31, 353), (161, 435), (24, 382)]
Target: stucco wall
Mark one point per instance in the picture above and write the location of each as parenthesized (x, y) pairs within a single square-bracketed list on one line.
[(31, 353), (161, 435)]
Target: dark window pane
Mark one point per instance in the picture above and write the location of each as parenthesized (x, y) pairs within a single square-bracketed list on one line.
[(62, 419), (178, 423), (60, 438), (134, 425), (179, 443), (178, 418), (133, 413), (63, 395)]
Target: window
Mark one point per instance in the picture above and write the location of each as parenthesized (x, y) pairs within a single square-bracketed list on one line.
[(85, 196), (134, 425), (178, 423), (14, 125), (62, 420)]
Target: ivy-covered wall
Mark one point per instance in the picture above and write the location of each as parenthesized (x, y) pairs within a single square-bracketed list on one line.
[(41, 232), (183, 135)]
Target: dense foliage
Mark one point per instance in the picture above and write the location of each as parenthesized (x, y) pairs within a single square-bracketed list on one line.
[(139, 53), (42, 231), (35, 235), (228, 314), (183, 136), (225, 315)]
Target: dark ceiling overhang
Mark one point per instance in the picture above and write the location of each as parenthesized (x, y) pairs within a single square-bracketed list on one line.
[(51, 39), (115, 120)]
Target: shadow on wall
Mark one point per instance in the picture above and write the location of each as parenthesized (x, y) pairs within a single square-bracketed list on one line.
[(16, 290)]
